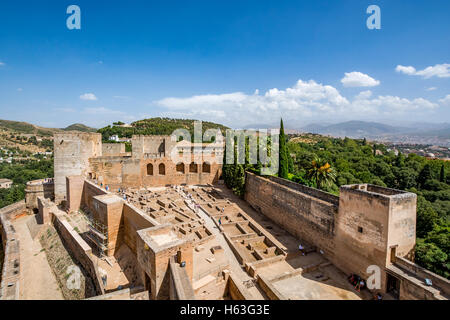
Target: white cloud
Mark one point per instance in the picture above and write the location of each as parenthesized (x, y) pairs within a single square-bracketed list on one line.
[(19, 89), (2, 64), (89, 97), (358, 79), (393, 105), (439, 70), (431, 89), (445, 101), (304, 102), (364, 95)]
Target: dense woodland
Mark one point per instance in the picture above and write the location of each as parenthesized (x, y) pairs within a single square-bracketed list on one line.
[(155, 126), (20, 174), (327, 163)]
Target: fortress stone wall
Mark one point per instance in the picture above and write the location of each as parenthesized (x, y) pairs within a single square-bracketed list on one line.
[(366, 226), (149, 164), (302, 215)]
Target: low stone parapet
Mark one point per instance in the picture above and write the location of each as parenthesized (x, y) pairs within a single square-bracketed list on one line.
[(9, 285)]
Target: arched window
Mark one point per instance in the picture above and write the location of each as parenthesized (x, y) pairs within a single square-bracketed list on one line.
[(149, 169), (180, 167), (193, 168), (162, 169), (206, 167)]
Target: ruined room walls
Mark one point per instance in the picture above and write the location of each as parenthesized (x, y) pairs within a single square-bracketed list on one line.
[(134, 220), (154, 259), (90, 190), (71, 157), (303, 216)]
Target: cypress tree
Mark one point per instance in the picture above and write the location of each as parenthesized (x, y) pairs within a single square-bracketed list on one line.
[(424, 175), (283, 162), (442, 175)]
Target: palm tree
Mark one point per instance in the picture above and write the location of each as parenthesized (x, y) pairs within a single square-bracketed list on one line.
[(321, 173)]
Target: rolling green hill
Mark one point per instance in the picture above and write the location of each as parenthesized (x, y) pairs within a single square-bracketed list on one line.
[(20, 127), (25, 128), (156, 126), (79, 127)]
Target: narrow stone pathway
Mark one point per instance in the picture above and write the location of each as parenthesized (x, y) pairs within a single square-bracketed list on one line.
[(37, 281)]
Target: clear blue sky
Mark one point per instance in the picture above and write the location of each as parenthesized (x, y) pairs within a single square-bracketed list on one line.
[(205, 59)]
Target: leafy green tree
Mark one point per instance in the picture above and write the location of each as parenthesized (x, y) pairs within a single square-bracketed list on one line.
[(283, 168), (431, 257), (427, 218)]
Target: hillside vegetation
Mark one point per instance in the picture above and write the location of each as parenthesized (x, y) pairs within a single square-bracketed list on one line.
[(356, 161), (25, 128), (156, 126), (19, 127)]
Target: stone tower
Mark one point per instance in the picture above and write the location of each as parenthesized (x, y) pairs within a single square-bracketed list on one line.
[(373, 226), (72, 151)]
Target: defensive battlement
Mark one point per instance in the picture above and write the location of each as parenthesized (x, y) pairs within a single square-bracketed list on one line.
[(377, 191)]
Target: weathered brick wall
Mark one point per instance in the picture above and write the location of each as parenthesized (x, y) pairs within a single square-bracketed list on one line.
[(90, 190), (328, 197), (72, 152), (134, 220), (112, 149), (9, 286), (236, 291), (440, 282), (128, 172), (362, 233), (38, 188), (44, 216), (79, 249), (75, 187), (302, 215), (108, 210), (180, 284)]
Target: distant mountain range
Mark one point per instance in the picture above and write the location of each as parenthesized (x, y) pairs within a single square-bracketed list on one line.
[(28, 128), (354, 129), (361, 129), (413, 133)]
